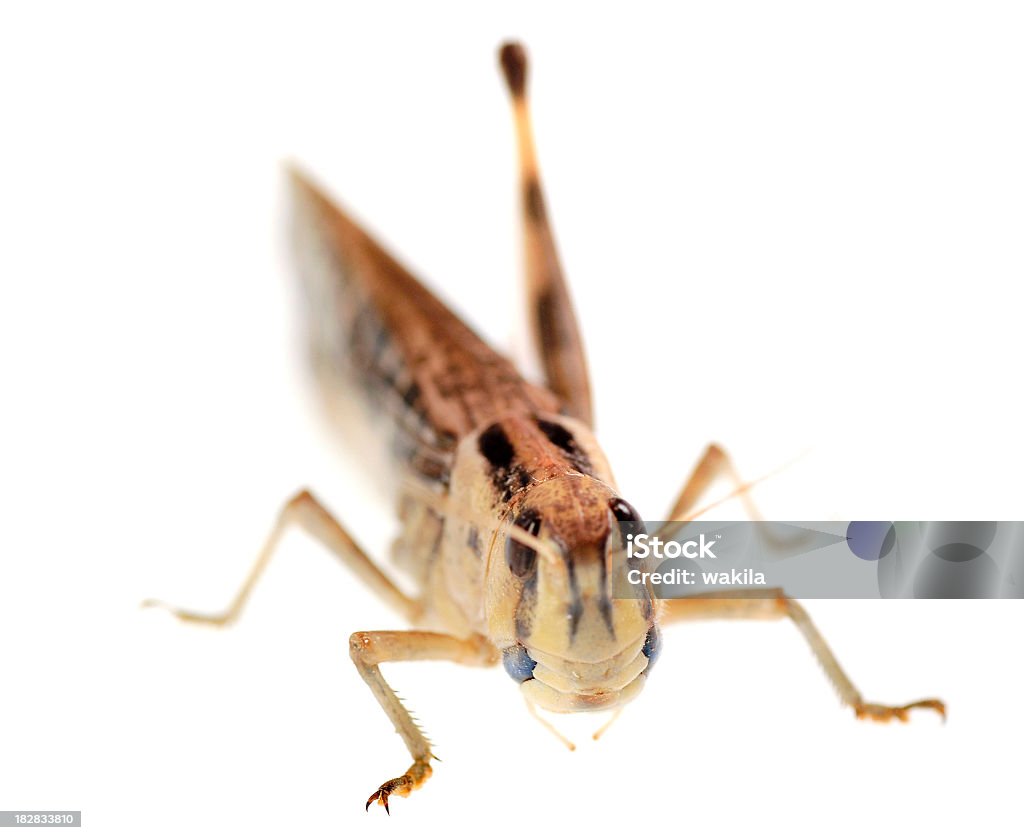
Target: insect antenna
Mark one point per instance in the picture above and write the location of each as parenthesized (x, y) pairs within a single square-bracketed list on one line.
[(667, 529)]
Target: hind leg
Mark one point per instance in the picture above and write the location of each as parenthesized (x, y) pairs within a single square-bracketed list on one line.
[(553, 322)]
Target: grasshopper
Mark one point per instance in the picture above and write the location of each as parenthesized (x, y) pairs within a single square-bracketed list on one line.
[(508, 507)]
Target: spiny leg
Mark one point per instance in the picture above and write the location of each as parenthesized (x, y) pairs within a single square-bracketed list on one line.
[(555, 331), (774, 604), (369, 650), (305, 511)]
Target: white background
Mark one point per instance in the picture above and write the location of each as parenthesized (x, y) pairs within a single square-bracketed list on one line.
[(788, 227)]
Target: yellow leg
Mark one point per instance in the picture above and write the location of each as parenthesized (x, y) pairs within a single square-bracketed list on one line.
[(768, 603), (368, 650), (774, 604), (715, 462), (305, 511), (556, 333)]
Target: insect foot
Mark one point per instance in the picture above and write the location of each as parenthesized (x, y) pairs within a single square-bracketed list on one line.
[(883, 714), (402, 786)]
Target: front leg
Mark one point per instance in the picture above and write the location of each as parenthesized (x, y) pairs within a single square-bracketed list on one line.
[(369, 649)]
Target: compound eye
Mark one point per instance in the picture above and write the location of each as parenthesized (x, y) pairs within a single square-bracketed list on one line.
[(522, 559), (652, 646), (627, 517), (623, 510), (518, 663)]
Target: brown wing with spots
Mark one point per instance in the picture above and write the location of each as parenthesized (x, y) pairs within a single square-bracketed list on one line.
[(413, 356)]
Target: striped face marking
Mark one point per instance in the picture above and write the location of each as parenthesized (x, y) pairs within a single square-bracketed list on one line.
[(629, 522), (522, 560), (574, 647), (567, 635)]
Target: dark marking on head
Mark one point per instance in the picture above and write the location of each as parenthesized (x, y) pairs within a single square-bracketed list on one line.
[(473, 540), (604, 605), (558, 435), (575, 614), (576, 605), (563, 439), (521, 559), (604, 595), (496, 448), (518, 479), (526, 608), (507, 477), (533, 200), (513, 64)]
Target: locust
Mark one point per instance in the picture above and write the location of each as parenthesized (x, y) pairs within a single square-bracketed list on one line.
[(508, 508)]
